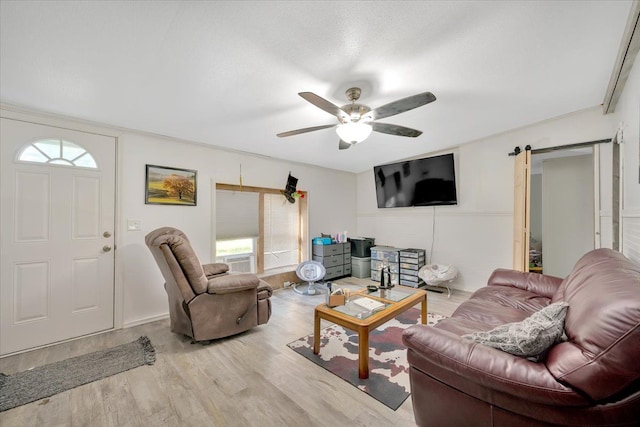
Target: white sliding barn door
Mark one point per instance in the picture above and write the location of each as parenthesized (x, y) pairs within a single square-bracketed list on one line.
[(58, 202)]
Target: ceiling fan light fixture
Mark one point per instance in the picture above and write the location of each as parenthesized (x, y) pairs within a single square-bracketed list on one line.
[(354, 132), (357, 121)]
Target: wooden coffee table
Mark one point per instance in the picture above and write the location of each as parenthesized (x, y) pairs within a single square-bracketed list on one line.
[(364, 325)]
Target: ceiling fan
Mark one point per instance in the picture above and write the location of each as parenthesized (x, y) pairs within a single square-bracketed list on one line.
[(357, 121)]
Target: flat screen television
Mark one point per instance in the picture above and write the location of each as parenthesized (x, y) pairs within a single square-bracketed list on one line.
[(430, 181)]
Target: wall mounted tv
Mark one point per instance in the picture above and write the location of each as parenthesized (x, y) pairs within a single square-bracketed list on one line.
[(430, 181)]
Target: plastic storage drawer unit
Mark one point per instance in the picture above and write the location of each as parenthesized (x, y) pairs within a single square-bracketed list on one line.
[(385, 253)]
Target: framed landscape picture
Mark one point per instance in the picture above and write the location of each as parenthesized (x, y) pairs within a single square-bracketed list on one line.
[(170, 186)]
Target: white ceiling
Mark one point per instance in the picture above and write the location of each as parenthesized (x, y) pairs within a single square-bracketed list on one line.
[(228, 73)]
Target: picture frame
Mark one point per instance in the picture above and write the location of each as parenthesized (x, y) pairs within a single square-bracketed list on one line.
[(170, 186)]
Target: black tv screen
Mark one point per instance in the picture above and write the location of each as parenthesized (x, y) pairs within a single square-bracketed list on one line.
[(430, 181)]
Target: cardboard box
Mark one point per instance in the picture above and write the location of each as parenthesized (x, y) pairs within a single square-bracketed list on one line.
[(335, 300)]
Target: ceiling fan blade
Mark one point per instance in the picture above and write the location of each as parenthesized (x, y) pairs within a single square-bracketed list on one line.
[(395, 129), (304, 130), (343, 145), (401, 105), (323, 104)]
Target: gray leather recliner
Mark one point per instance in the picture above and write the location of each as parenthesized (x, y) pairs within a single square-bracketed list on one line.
[(206, 301)]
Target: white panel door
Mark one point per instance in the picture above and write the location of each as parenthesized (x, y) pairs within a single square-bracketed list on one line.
[(57, 266)]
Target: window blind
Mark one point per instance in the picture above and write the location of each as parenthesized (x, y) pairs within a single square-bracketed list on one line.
[(236, 214), (281, 231)]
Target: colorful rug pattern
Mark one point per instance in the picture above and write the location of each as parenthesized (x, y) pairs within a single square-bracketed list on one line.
[(388, 380)]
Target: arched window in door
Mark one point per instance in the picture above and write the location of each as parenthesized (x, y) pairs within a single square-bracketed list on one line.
[(57, 152)]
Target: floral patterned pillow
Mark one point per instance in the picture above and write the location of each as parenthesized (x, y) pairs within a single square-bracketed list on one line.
[(529, 338)]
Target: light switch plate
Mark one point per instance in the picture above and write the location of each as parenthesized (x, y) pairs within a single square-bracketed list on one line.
[(134, 225)]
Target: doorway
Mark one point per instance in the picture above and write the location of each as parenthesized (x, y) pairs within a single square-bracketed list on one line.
[(562, 209), (585, 189)]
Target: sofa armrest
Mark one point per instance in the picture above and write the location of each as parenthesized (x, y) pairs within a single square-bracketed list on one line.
[(229, 283), (540, 284), (471, 366), (214, 269)]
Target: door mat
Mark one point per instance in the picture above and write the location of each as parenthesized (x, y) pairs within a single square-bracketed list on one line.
[(44, 381)]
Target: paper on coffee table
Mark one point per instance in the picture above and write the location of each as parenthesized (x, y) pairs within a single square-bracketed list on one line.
[(368, 304)]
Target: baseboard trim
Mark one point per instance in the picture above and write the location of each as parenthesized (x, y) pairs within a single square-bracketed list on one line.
[(138, 322), (276, 281)]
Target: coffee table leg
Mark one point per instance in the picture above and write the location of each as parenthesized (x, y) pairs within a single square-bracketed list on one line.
[(316, 332), (363, 353), (424, 310)]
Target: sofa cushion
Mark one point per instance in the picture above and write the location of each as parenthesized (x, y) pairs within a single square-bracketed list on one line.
[(230, 283), (507, 296), (530, 337), (486, 314), (539, 284)]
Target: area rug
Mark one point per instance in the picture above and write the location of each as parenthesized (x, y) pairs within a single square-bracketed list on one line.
[(388, 380), (44, 381)]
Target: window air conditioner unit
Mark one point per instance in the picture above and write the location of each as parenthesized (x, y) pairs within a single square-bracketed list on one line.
[(240, 263)]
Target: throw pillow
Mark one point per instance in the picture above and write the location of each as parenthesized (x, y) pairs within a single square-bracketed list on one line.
[(530, 337)]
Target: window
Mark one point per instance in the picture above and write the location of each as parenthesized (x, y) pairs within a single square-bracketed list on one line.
[(57, 152), (234, 247), (238, 254), (260, 222), (281, 232)]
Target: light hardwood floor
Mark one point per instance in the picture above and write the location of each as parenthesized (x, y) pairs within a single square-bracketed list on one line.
[(252, 379)]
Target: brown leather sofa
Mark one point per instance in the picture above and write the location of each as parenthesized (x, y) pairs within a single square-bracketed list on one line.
[(590, 379), (206, 301)]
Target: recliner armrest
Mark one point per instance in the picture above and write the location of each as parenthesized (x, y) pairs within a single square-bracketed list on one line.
[(215, 269), (264, 290), (540, 284), (472, 366), (229, 283)]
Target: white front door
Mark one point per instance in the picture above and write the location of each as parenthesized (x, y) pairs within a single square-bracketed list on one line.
[(57, 223)]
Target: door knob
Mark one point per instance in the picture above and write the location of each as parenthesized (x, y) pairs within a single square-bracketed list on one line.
[(106, 248), (106, 234)]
